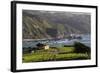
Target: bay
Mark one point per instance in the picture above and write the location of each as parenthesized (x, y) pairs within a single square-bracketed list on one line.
[(86, 40)]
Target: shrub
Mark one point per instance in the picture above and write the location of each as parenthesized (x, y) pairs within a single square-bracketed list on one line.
[(81, 48), (68, 45)]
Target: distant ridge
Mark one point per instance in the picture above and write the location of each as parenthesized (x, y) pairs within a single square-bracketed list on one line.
[(53, 24)]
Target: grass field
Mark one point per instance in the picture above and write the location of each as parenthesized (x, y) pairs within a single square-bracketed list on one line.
[(52, 54)]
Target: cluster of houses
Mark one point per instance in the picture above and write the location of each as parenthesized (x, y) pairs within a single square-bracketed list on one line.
[(75, 36)]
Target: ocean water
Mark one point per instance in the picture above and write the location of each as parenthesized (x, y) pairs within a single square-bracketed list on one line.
[(86, 40)]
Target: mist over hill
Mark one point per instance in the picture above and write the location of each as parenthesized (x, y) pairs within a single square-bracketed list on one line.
[(54, 24)]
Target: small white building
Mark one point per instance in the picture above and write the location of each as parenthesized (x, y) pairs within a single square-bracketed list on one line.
[(46, 47), (43, 46)]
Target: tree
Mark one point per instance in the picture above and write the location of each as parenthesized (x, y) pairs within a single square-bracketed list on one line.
[(81, 48)]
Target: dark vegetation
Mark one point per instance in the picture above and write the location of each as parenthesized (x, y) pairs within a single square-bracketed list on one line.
[(81, 48)]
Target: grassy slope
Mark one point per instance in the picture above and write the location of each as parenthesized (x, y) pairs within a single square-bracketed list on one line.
[(65, 53)]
